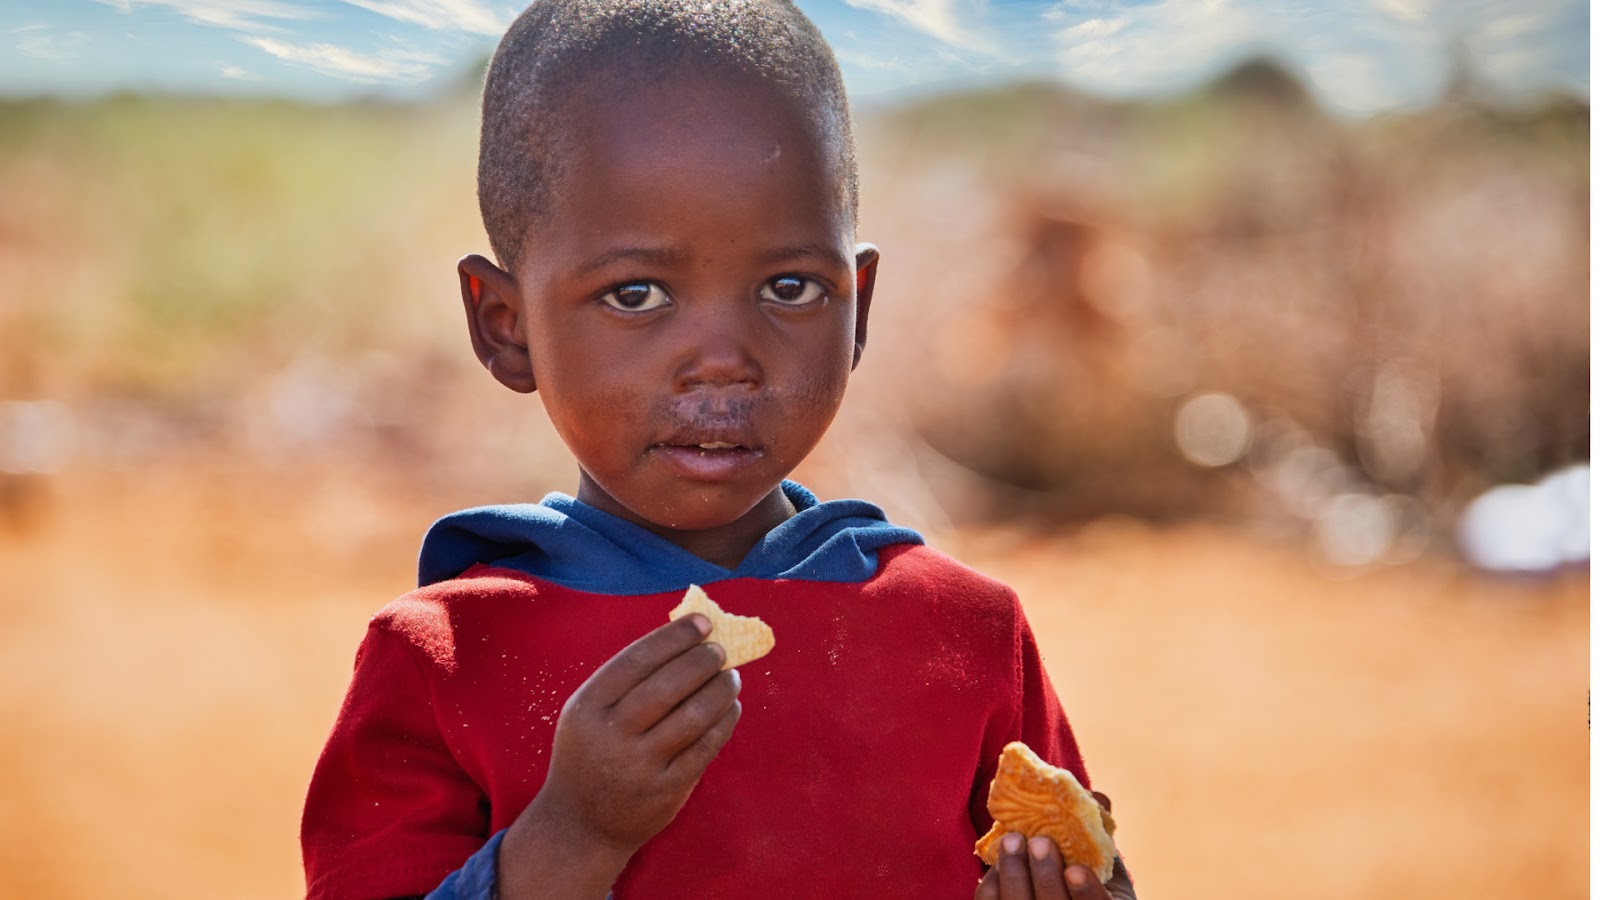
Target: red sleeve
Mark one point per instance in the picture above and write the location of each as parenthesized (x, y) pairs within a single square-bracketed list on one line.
[(390, 812), (1033, 716)]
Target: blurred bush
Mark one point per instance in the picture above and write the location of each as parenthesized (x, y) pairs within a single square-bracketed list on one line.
[(1230, 304)]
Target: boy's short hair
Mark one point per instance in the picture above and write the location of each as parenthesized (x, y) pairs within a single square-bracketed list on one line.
[(557, 44)]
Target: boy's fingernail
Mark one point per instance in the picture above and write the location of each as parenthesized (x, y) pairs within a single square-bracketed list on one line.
[(1078, 876), (1039, 847), (736, 680), (1011, 843), (701, 624)]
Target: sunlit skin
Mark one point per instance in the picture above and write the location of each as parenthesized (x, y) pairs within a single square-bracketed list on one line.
[(689, 310)]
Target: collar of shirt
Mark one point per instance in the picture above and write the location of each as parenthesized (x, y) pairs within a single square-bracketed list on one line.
[(570, 543)]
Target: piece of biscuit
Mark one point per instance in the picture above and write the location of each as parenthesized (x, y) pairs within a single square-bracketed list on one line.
[(743, 638), (1030, 796)]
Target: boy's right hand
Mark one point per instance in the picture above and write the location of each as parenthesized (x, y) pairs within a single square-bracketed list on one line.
[(631, 743)]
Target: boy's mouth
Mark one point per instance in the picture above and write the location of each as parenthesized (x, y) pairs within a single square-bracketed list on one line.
[(709, 437), (704, 447), (702, 457)]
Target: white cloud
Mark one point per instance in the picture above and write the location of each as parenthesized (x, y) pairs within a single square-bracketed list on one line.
[(1353, 83), (874, 61), (1359, 57), (240, 15), (1521, 47), (938, 18), (444, 15), (1065, 8), (1405, 10), (385, 66), (1514, 25), (51, 47), (237, 72), (1156, 46), (1092, 29), (1518, 49)]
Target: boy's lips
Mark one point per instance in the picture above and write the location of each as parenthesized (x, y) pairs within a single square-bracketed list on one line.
[(708, 454), (711, 435), (706, 461)]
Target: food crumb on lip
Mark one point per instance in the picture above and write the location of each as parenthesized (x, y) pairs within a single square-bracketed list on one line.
[(707, 447)]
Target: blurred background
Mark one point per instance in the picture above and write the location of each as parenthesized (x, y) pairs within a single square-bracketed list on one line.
[(1249, 341)]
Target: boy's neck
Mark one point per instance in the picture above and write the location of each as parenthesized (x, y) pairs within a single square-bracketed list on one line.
[(725, 546)]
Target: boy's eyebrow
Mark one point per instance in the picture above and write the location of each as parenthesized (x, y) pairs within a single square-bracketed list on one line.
[(663, 256), (660, 256), (813, 251)]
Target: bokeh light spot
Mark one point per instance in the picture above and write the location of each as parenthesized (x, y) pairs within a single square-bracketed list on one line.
[(1212, 429), (1529, 528)]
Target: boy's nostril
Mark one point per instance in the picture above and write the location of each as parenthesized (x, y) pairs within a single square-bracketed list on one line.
[(728, 371)]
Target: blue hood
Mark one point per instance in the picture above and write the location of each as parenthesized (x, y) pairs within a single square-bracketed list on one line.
[(570, 543)]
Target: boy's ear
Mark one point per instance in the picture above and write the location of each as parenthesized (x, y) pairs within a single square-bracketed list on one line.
[(494, 321), (866, 277)]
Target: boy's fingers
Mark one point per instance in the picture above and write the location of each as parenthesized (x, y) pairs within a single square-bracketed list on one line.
[(989, 887), (1016, 883), (1103, 800), (637, 661), (1044, 864), (1120, 885), (1082, 885), (692, 762), (695, 717), (652, 699)]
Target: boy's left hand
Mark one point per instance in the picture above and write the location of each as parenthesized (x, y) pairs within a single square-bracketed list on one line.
[(1031, 870)]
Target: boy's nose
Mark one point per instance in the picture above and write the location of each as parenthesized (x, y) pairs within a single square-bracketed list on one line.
[(719, 351)]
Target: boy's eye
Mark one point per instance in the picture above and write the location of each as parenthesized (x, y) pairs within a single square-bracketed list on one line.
[(636, 296), (791, 290)]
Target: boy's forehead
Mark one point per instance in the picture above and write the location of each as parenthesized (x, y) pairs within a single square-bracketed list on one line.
[(690, 169), (606, 50), (698, 119), (690, 98)]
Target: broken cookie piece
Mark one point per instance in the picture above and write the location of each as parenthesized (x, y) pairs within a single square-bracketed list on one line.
[(743, 638), (1032, 797)]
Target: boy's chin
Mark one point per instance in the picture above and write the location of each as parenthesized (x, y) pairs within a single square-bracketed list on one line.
[(691, 507), (701, 508)]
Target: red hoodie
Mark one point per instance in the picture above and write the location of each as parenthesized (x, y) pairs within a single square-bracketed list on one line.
[(860, 765)]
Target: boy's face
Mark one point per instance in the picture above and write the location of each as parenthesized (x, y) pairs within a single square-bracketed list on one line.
[(689, 308)]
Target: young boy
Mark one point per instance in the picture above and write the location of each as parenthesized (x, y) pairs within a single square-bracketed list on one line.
[(670, 192)]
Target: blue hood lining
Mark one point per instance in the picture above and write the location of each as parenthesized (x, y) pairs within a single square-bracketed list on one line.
[(570, 543)]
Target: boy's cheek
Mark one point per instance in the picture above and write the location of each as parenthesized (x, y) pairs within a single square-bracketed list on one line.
[(598, 421)]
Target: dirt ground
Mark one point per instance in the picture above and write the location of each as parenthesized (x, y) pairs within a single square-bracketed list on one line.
[(175, 647)]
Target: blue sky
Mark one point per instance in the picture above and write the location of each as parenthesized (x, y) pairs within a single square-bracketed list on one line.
[(1360, 56)]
